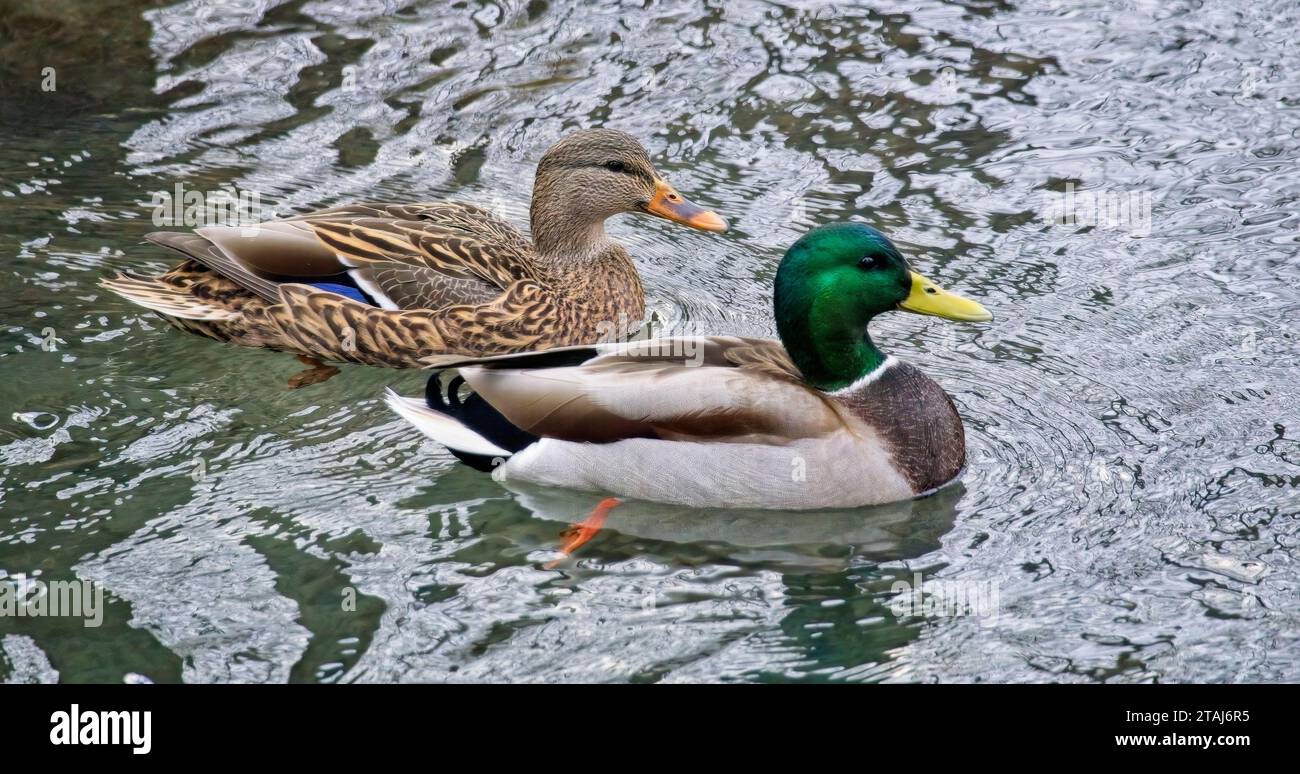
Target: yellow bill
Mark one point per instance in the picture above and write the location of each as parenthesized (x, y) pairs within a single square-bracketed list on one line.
[(928, 298)]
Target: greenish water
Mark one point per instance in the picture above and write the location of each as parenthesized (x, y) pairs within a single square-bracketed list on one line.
[(1134, 479)]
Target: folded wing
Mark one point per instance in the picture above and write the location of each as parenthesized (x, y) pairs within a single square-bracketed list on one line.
[(404, 257), (724, 389)]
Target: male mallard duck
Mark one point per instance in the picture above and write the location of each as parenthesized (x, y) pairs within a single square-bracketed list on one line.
[(821, 419), (400, 284)]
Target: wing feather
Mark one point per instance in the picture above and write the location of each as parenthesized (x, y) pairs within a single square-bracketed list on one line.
[(636, 390), (417, 256)]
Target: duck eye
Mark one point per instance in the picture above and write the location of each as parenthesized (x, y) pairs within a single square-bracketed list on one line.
[(615, 166), (869, 262)]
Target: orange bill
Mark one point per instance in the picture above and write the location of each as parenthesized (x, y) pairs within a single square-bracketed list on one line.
[(670, 205)]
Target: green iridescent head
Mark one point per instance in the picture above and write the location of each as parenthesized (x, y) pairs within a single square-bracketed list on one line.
[(830, 285)]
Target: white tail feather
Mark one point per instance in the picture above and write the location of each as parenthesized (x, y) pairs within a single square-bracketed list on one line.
[(444, 429)]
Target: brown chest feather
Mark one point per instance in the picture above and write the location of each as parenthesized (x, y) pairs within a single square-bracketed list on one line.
[(916, 420)]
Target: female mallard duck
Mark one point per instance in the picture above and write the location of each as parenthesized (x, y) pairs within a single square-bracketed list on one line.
[(401, 284), (821, 419)]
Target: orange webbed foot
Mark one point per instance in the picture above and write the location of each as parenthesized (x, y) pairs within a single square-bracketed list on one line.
[(578, 535)]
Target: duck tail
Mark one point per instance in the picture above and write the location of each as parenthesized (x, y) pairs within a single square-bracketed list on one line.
[(448, 431), (471, 429), (165, 298)]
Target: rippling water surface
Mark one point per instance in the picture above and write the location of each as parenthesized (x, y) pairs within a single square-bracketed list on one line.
[(1134, 478)]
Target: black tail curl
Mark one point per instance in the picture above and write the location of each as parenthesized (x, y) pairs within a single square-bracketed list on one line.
[(476, 414)]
